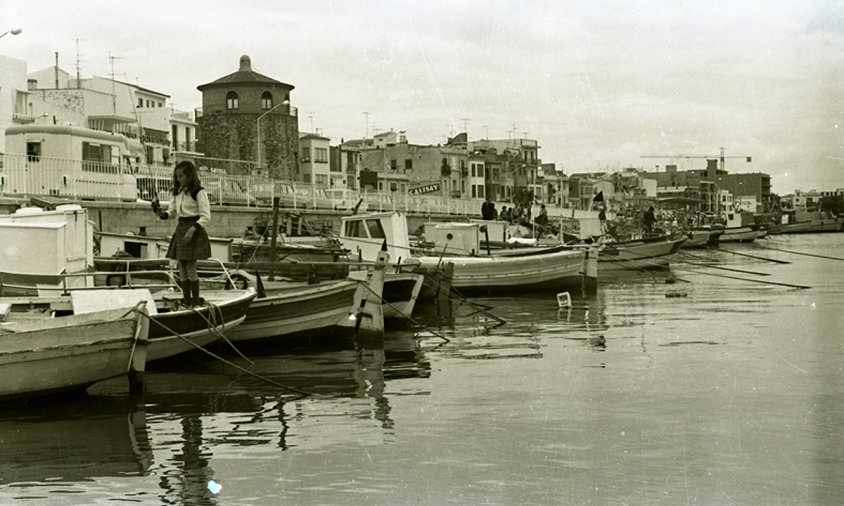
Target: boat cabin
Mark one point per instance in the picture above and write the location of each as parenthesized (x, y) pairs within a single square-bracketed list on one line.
[(365, 235)]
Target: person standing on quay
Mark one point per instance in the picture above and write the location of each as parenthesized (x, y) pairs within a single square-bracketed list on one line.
[(648, 220), (189, 243)]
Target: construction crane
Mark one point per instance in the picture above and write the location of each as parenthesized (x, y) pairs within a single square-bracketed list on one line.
[(721, 158)]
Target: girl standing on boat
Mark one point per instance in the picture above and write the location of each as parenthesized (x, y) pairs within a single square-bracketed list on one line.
[(190, 241)]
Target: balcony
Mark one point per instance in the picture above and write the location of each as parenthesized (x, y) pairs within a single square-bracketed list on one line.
[(185, 147)]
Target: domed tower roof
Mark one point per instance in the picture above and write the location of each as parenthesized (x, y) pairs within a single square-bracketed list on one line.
[(244, 75)]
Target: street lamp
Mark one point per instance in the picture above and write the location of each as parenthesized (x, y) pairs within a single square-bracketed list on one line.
[(13, 31), (258, 128)]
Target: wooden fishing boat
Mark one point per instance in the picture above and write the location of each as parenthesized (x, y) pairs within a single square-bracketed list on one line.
[(174, 328), (740, 227), (401, 291), (529, 270), (816, 223), (638, 254), (697, 238), (340, 307), (44, 355)]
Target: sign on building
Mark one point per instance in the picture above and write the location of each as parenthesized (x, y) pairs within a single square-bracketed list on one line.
[(428, 188)]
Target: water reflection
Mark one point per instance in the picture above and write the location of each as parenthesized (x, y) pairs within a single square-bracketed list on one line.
[(49, 440), (186, 477)]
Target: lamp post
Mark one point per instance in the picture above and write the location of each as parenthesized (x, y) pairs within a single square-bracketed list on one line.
[(560, 199), (258, 128), (13, 31)]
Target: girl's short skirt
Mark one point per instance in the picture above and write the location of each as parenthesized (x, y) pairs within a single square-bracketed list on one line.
[(198, 248)]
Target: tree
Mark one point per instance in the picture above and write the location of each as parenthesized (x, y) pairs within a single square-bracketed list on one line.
[(523, 197), (833, 204)]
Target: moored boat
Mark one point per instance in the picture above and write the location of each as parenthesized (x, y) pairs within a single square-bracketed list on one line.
[(638, 254), (401, 291), (174, 328), (339, 307), (802, 222), (537, 269), (740, 227), (697, 238), (44, 355)]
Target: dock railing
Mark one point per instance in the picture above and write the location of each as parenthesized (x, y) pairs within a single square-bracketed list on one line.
[(24, 176)]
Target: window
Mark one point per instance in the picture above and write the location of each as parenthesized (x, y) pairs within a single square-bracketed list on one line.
[(376, 231), (321, 155), (96, 158), (140, 102), (306, 154), (33, 151), (321, 180), (408, 164), (393, 165), (266, 101), (231, 101), (354, 229)]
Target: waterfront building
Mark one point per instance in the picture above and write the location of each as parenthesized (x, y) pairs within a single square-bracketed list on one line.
[(15, 108), (518, 166), (159, 136), (389, 163), (247, 116), (808, 200), (314, 162)]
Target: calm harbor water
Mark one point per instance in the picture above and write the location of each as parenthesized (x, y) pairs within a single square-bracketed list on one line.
[(707, 390)]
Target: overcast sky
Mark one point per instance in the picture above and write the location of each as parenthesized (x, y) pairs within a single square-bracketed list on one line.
[(597, 83)]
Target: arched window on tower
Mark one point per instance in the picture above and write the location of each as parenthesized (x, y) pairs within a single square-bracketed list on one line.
[(266, 101), (231, 101)]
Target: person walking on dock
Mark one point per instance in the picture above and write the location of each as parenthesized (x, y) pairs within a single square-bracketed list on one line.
[(189, 243)]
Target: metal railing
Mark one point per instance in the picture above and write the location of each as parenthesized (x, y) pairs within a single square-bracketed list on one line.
[(25, 175), (30, 175)]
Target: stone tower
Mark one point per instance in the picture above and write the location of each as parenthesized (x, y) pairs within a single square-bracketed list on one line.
[(247, 116)]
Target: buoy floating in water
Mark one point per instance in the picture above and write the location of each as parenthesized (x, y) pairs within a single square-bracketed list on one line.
[(563, 299)]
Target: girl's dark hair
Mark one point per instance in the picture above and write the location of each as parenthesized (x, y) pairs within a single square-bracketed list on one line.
[(193, 185)]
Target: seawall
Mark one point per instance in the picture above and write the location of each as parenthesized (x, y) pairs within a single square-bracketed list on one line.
[(226, 221)]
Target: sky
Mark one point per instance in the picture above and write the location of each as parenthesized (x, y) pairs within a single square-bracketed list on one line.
[(599, 84)]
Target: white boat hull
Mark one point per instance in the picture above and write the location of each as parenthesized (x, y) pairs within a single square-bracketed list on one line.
[(637, 256), (557, 270), (70, 353), (740, 234)]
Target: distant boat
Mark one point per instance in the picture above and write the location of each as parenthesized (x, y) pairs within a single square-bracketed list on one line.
[(44, 355), (811, 223), (748, 233), (638, 254), (697, 238), (740, 227)]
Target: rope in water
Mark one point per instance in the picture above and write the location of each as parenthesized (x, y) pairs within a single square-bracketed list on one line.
[(227, 362)]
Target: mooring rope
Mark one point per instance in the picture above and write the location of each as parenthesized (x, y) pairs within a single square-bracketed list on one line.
[(225, 361), (800, 253), (407, 316)]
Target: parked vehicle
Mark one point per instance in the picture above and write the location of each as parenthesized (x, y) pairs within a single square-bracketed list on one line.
[(67, 161)]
